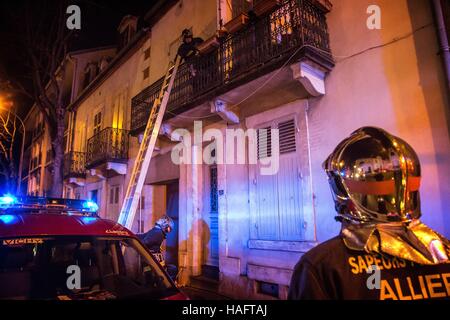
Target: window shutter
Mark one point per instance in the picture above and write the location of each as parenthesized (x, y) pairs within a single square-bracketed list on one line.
[(278, 211), (264, 136), (287, 136)]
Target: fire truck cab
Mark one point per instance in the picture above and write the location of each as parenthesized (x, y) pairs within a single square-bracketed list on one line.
[(61, 249)]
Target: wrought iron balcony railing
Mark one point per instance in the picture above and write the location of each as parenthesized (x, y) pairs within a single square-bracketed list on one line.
[(75, 165), (295, 29), (110, 144)]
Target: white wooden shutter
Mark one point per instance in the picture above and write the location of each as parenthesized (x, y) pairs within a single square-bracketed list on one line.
[(278, 198)]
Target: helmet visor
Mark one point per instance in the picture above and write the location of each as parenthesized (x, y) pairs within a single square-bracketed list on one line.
[(382, 178)]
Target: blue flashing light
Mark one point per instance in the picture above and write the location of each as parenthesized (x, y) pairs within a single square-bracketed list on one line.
[(41, 204), (8, 218), (7, 200), (88, 220), (91, 206)]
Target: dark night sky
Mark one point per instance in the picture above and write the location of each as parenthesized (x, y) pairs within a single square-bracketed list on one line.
[(99, 22)]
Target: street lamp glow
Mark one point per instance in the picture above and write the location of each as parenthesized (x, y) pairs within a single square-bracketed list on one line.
[(4, 103)]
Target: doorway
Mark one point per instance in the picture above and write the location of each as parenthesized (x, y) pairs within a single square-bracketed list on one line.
[(212, 217), (172, 195)]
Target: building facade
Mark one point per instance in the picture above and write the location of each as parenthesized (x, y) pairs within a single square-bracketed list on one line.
[(79, 69), (311, 69)]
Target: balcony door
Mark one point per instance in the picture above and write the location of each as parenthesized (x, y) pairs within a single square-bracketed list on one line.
[(97, 123), (114, 202)]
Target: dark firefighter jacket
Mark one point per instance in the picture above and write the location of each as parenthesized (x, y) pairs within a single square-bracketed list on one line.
[(189, 49), (332, 271), (153, 238)]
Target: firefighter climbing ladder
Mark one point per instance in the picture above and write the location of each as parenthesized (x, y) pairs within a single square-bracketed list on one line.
[(146, 148)]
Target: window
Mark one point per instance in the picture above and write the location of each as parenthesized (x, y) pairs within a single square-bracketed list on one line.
[(287, 136), (146, 53), (269, 289), (65, 142), (38, 179), (97, 122), (68, 193), (146, 73), (264, 136), (142, 204), (277, 211), (39, 126), (111, 196), (114, 194)]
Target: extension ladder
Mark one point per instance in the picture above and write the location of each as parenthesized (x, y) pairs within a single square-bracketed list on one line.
[(142, 162)]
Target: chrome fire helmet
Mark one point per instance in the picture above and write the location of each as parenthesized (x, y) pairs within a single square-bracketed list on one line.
[(186, 33), (374, 177), (165, 223)]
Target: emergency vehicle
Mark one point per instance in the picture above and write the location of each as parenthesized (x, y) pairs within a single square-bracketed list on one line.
[(61, 249)]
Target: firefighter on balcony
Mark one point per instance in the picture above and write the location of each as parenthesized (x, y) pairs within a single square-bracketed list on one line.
[(383, 251), (188, 50)]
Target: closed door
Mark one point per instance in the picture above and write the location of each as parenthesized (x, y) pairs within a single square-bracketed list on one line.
[(172, 195), (276, 206), (212, 259)]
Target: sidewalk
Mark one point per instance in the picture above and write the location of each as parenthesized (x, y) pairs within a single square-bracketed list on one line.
[(201, 294)]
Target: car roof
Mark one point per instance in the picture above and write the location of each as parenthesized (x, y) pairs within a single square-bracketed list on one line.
[(54, 224)]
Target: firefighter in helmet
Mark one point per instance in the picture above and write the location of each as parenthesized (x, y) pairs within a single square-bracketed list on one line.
[(188, 50), (383, 251), (154, 238)]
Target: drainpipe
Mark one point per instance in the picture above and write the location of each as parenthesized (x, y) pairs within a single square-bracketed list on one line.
[(443, 39)]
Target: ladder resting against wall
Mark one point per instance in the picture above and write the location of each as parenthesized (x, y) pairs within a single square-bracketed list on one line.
[(142, 162)]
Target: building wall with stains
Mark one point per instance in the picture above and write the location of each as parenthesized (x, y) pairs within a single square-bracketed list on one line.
[(398, 85)]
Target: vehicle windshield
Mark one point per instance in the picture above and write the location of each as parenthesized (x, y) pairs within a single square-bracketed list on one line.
[(69, 268)]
